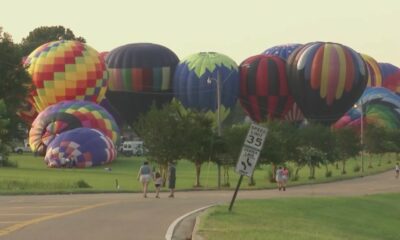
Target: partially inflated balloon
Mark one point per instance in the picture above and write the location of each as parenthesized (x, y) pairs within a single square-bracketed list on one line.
[(140, 75), (374, 71), (264, 93), (391, 77), (380, 106), (326, 79), (196, 81), (67, 115), (66, 70), (80, 147), (282, 51)]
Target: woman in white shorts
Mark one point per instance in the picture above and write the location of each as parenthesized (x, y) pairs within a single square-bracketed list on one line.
[(145, 175)]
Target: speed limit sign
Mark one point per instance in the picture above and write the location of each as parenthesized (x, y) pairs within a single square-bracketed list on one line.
[(255, 137)]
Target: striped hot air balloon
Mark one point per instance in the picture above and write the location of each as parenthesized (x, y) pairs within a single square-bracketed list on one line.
[(67, 115), (390, 77), (140, 75), (326, 79), (374, 71), (282, 51), (264, 92)]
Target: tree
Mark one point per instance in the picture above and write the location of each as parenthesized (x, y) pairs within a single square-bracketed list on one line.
[(161, 131), (375, 140), (42, 35), (14, 81), (347, 144)]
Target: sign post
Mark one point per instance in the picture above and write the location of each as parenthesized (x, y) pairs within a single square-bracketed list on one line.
[(249, 155)]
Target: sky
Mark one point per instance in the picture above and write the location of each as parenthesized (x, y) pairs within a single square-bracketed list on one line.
[(238, 29)]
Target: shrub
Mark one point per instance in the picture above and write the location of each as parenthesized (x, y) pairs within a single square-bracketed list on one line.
[(356, 168), (82, 184), (328, 174)]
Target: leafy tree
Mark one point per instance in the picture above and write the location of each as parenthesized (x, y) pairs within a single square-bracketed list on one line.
[(42, 35), (14, 81), (198, 139), (312, 157), (161, 131), (375, 140), (347, 144)]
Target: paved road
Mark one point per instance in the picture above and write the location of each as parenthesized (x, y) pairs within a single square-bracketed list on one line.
[(130, 216)]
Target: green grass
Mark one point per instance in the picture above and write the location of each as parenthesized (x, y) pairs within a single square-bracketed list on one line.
[(334, 218), (32, 176)]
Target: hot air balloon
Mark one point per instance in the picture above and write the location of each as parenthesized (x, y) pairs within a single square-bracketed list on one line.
[(140, 75), (80, 147), (326, 79), (282, 51), (380, 106), (264, 93), (390, 77), (67, 115), (198, 77), (66, 70), (374, 71)]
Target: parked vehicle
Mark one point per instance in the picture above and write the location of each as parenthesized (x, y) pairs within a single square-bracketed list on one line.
[(134, 148), (22, 148)]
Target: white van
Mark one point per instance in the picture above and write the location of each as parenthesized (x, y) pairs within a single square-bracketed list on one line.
[(130, 148), (22, 148)]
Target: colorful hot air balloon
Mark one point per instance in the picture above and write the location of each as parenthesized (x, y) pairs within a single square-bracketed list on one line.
[(66, 70), (326, 79), (140, 75), (390, 77), (196, 81), (67, 115), (264, 93), (380, 106), (374, 71), (282, 51), (80, 147)]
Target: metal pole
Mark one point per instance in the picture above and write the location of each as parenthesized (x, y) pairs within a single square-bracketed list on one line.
[(219, 120), (236, 191), (362, 138)]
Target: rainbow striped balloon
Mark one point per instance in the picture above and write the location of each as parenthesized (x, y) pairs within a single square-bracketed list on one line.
[(374, 71), (66, 70), (67, 115), (326, 79)]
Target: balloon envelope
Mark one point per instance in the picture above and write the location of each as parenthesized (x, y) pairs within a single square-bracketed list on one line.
[(66, 70), (80, 147), (140, 75), (198, 77), (282, 51), (264, 92), (325, 80), (67, 115), (391, 77)]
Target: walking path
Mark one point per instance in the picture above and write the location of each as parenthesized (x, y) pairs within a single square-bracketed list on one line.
[(130, 216)]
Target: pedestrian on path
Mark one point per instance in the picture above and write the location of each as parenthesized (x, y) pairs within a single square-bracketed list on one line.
[(171, 178), (279, 177), (397, 169), (285, 177), (145, 175), (158, 181)]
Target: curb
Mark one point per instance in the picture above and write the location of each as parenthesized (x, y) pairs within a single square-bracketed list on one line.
[(172, 228)]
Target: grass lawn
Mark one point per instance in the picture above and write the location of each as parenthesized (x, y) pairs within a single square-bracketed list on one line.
[(32, 176), (334, 218)]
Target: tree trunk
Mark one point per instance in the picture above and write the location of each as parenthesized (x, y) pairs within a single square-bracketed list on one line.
[(226, 176), (198, 171), (251, 181), (273, 168), (343, 166), (163, 172)]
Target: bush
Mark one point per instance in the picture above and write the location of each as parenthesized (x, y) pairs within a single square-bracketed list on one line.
[(5, 162), (82, 184), (356, 168), (328, 174)]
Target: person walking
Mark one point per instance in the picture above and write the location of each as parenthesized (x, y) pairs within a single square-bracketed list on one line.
[(145, 175), (171, 178), (397, 170), (279, 177), (158, 181), (285, 177)]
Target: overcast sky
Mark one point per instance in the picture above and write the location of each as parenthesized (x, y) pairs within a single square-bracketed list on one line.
[(238, 29)]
